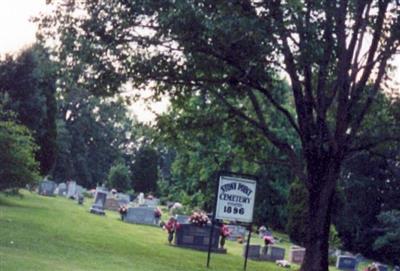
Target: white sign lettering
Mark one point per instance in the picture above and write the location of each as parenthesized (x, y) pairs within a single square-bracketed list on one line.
[(235, 199)]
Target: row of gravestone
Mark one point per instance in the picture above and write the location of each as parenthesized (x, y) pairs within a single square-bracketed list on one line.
[(350, 263), (144, 214), (69, 189), (274, 253)]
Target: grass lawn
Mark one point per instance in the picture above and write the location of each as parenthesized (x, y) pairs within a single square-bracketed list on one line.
[(53, 233)]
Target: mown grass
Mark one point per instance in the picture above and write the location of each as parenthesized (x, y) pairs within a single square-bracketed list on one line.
[(53, 233)]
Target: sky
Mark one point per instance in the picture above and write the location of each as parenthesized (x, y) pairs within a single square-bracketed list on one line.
[(17, 32), (15, 29)]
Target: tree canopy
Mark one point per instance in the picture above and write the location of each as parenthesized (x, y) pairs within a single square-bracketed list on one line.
[(335, 54)]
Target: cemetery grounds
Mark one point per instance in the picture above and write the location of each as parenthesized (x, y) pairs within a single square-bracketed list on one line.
[(54, 233)]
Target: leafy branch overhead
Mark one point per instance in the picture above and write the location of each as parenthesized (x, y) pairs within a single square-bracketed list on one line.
[(335, 54)]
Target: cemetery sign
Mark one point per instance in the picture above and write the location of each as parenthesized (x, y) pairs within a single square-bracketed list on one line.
[(235, 199)]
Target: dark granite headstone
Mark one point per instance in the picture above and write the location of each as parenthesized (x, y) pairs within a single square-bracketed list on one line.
[(253, 253), (47, 188), (140, 215), (197, 237), (272, 253), (99, 203), (346, 263)]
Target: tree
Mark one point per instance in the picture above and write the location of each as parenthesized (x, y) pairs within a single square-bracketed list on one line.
[(335, 54), (94, 133), (370, 178), (388, 244), (145, 170), (18, 164), (29, 81), (119, 177), (206, 139)]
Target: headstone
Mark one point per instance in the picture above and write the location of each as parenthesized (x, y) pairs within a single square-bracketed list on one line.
[(382, 267), (79, 191), (141, 199), (112, 204), (140, 215), (99, 203), (71, 190), (272, 253), (344, 262), (182, 219), (80, 199), (123, 199), (176, 208), (154, 202), (253, 253), (296, 254), (47, 188), (62, 189), (236, 231), (197, 237)]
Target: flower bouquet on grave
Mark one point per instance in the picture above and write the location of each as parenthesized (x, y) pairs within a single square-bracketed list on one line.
[(157, 215), (199, 218), (171, 226), (223, 232), (123, 210), (268, 240)]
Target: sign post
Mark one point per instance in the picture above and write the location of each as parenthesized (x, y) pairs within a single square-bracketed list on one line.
[(235, 199)]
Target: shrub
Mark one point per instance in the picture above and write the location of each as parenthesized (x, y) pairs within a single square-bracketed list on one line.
[(18, 165), (119, 177)]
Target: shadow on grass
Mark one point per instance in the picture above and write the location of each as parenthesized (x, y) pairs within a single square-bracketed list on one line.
[(14, 201)]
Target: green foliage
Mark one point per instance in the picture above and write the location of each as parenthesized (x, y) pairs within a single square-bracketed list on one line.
[(230, 54), (93, 133), (119, 177), (388, 244), (18, 164), (334, 239), (28, 80), (298, 213), (145, 170)]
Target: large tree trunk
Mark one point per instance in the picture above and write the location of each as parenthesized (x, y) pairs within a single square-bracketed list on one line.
[(321, 189)]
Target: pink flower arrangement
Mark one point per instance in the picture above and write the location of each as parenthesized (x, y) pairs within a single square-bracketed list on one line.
[(269, 240), (199, 218), (224, 231)]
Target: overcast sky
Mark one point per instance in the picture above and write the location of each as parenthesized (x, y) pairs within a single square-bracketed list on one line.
[(16, 32)]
